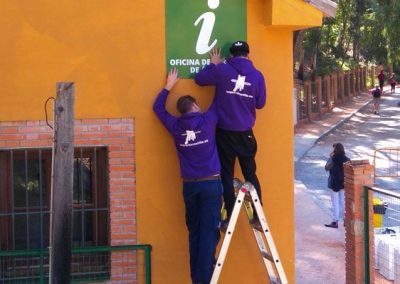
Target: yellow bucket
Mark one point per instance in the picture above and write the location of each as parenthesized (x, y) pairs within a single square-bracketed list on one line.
[(378, 219), (379, 211)]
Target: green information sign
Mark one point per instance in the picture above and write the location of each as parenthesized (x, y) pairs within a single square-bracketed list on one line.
[(194, 27)]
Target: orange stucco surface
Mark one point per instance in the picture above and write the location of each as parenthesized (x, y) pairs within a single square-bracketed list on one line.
[(292, 14), (115, 53)]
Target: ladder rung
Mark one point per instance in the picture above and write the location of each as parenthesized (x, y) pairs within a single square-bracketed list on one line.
[(246, 196), (257, 228), (267, 256)]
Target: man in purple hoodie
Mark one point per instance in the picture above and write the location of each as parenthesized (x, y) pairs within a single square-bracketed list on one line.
[(194, 137), (239, 91)]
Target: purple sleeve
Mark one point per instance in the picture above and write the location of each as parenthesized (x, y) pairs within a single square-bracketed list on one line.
[(262, 94), (159, 108), (207, 75), (212, 112)]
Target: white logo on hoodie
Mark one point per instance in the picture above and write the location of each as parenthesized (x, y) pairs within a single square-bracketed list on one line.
[(240, 82), (190, 136)]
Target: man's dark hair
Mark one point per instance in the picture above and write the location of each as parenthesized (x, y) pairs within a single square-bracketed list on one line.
[(239, 53), (185, 103)]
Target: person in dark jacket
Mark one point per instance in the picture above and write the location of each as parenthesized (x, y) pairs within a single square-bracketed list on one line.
[(376, 94), (381, 79), (336, 182), (392, 82), (239, 91), (194, 137)]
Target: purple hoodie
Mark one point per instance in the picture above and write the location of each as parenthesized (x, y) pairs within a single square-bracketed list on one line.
[(239, 91), (194, 137)]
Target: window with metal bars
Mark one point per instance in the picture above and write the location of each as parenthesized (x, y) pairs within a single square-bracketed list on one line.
[(25, 182)]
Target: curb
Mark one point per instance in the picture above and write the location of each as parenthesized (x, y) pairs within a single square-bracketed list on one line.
[(334, 127)]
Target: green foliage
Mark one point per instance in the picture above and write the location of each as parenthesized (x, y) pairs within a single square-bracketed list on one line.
[(363, 31)]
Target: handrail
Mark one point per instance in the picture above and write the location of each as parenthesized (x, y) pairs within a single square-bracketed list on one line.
[(384, 191), (147, 248), (391, 150)]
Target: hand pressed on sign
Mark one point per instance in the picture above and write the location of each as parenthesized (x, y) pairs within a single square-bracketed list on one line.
[(215, 56), (172, 79)]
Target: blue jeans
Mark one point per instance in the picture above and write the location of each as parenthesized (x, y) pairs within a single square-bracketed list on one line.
[(203, 205)]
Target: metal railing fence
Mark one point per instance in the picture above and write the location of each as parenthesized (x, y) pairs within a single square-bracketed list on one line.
[(387, 162), (318, 96), (25, 182), (115, 264), (385, 237)]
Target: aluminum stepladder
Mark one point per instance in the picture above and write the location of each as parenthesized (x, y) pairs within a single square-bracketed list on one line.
[(246, 196)]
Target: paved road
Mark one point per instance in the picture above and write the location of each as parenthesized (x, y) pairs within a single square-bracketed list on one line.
[(361, 135)]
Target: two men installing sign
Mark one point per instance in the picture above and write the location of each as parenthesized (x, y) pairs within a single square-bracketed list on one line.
[(217, 137)]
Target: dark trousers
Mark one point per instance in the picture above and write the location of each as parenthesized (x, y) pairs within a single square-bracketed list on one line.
[(381, 83), (203, 201), (232, 145)]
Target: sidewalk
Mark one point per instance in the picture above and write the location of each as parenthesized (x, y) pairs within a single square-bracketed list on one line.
[(320, 251), (309, 134)]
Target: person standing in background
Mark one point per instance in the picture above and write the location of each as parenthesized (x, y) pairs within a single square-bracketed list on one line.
[(336, 182), (381, 78), (376, 94), (392, 82)]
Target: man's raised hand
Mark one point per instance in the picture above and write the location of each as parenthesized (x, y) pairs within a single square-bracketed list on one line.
[(215, 56), (172, 79)]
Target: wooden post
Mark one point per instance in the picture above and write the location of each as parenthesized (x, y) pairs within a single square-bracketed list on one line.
[(308, 95), (372, 76), (63, 185), (318, 89), (329, 100), (334, 88), (362, 79), (347, 74), (365, 78)]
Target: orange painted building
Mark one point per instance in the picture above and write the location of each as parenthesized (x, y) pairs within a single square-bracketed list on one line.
[(115, 52)]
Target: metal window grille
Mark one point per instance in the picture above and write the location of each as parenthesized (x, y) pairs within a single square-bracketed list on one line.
[(120, 264), (25, 176), (386, 239)]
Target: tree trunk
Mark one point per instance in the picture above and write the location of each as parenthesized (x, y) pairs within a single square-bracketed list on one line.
[(298, 55)]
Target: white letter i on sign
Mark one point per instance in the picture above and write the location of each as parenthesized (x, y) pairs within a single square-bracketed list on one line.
[(202, 46)]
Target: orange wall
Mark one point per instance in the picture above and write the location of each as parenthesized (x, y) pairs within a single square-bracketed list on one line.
[(115, 52)]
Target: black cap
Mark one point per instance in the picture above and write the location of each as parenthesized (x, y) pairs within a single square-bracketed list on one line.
[(239, 48)]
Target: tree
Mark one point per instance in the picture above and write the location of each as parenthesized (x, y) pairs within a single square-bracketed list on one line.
[(363, 31)]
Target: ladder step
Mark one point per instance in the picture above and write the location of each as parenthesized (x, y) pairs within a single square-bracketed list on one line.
[(246, 196), (267, 256), (257, 227)]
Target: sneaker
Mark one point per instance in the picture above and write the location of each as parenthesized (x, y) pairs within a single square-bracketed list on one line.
[(224, 225), (334, 224)]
